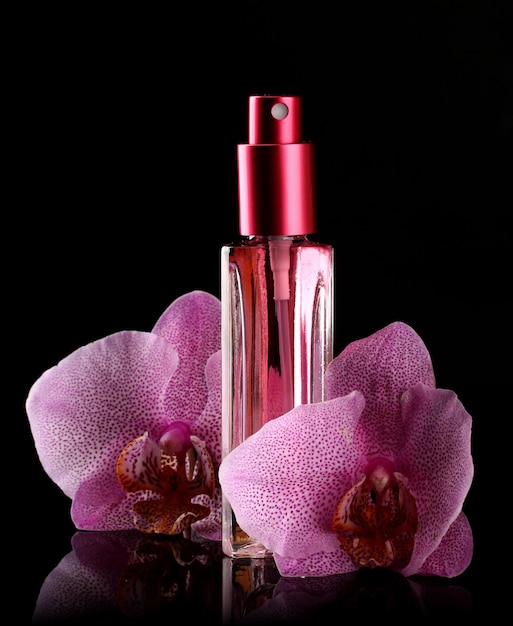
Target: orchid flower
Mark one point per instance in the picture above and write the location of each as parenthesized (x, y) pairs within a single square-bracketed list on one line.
[(129, 426), (375, 476)]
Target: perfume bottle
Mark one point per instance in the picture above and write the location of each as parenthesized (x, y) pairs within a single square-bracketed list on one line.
[(276, 289)]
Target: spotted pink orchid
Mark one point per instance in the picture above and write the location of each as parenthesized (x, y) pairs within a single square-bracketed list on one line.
[(129, 426), (375, 476)]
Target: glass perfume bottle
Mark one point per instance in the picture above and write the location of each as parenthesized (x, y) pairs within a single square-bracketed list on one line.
[(276, 289)]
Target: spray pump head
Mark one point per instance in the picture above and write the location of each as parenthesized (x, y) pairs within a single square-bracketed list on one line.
[(276, 170)]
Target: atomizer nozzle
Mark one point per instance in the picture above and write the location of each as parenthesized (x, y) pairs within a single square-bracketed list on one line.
[(275, 119)]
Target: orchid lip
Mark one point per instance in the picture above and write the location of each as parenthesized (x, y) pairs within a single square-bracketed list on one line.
[(167, 483), (376, 520)]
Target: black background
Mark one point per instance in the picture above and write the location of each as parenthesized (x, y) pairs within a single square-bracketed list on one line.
[(121, 186)]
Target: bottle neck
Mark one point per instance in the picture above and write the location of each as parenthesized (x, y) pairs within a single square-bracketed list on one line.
[(266, 239)]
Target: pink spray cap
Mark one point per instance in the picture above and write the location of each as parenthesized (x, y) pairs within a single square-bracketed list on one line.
[(276, 181)]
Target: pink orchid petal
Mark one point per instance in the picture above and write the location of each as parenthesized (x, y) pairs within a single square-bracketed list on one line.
[(211, 526), (381, 366), (139, 466), (192, 325), (208, 428), (206, 463), (101, 504), (319, 564), (436, 459), (208, 424), (454, 554), (285, 481), (86, 409)]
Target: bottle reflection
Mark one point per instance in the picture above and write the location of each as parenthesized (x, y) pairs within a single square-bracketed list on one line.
[(247, 585)]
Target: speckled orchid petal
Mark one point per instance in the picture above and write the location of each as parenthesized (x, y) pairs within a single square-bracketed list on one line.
[(192, 325), (285, 481), (208, 424), (436, 458), (139, 466), (207, 427), (454, 553), (324, 563), (97, 505), (381, 366), (86, 409)]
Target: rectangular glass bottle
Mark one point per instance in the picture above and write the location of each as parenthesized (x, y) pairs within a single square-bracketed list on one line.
[(274, 352)]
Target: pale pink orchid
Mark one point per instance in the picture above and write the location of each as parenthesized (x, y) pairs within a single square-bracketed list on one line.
[(375, 476), (129, 426)]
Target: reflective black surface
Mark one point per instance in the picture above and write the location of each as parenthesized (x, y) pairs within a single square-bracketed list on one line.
[(128, 577)]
